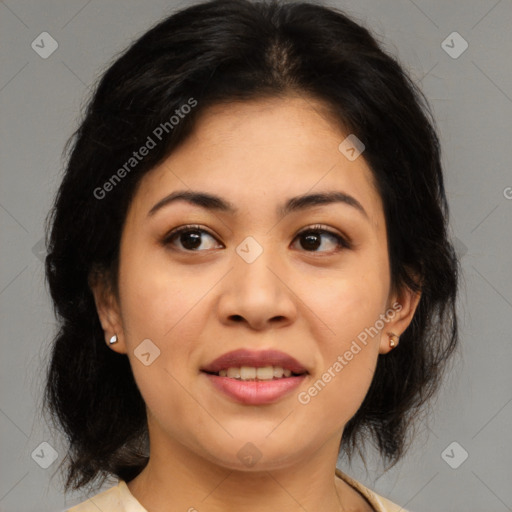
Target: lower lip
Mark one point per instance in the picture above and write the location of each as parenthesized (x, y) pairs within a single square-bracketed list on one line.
[(255, 392)]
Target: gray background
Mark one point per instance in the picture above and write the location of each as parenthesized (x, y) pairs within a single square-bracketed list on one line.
[(472, 100)]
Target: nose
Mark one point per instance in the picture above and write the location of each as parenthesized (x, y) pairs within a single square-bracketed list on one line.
[(258, 294)]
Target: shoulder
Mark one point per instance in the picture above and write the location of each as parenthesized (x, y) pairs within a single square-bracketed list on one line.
[(106, 500), (379, 503), (115, 499)]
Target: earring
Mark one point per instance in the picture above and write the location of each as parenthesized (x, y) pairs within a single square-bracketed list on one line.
[(113, 339), (393, 339)]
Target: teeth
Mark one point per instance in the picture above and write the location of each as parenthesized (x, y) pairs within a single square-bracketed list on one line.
[(234, 373), (247, 372), (252, 373), (265, 373)]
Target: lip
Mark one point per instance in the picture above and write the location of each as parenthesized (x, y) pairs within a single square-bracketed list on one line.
[(255, 358), (255, 392)]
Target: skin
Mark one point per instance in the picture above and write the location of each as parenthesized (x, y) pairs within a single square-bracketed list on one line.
[(196, 305)]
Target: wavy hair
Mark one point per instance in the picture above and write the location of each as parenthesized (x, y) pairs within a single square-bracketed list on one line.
[(239, 50)]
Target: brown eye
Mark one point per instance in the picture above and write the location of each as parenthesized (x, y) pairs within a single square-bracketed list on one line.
[(189, 237), (314, 238)]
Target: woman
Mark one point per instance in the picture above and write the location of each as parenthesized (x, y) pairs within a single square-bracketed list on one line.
[(248, 255)]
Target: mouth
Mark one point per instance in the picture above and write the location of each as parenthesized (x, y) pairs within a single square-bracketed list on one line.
[(246, 365), (253, 373), (254, 391), (255, 378)]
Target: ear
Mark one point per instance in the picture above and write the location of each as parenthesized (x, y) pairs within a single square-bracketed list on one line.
[(401, 308), (108, 310)]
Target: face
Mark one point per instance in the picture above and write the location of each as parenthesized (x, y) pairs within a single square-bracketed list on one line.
[(252, 270)]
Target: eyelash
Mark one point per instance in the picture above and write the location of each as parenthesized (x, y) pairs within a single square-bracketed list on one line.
[(341, 242)]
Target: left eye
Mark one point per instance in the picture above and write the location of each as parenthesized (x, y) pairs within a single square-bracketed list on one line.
[(312, 239), (190, 238)]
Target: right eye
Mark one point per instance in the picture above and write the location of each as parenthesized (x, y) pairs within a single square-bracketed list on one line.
[(190, 238)]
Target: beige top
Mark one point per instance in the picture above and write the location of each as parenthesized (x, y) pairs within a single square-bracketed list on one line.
[(119, 499)]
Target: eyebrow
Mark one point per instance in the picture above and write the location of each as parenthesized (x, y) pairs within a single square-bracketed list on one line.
[(212, 202)]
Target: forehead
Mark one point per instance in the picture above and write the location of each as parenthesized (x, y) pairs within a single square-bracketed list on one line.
[(262, 150)]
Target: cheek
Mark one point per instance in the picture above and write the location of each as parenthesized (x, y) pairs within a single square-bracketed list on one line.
[(349, 301), (350, 307), (349, 358), (160, 307), (158, 296), (158, 304), (339, 394)]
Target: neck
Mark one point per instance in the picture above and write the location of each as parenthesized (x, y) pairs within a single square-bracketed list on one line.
[(176, 478)]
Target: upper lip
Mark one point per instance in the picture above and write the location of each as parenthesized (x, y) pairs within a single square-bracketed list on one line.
[(257, 359)]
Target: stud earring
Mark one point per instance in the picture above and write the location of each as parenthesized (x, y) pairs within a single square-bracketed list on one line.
[(393, 339), (113, 339)]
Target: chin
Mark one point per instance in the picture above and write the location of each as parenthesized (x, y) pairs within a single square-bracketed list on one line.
[(259, 452)]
